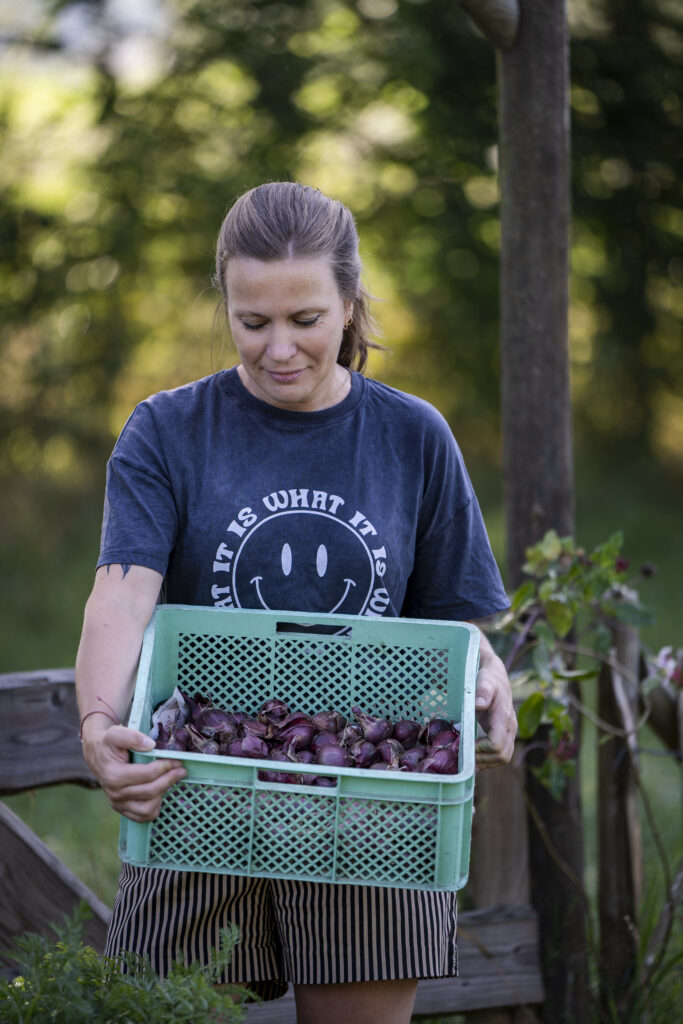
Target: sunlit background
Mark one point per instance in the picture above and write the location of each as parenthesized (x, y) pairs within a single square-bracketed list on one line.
[(127, 128)]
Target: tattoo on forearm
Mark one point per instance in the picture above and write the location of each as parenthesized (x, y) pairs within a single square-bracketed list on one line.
[(125, 569)]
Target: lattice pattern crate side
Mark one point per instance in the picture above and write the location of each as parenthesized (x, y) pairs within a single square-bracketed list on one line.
[(370, 828)]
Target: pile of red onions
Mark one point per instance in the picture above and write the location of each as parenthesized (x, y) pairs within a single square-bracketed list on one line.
[(276, 733)]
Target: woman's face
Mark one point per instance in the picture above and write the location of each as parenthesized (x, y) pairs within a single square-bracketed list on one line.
[(287, 319)]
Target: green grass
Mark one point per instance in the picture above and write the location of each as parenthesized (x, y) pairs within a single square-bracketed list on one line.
[(80, 827)]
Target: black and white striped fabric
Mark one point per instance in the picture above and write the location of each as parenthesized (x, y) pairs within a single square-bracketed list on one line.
[(303, 932)]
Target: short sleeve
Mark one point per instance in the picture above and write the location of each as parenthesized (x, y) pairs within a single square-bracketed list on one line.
[(455, 574), (140, 522)]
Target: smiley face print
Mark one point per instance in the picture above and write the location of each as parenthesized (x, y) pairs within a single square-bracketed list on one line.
[(303, 559)]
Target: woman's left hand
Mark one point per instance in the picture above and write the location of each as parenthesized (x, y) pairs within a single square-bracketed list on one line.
[(495, 711)]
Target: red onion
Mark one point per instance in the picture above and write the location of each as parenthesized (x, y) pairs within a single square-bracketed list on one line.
[(323, 739), (294, 718), (350, 734), (374, 729), (212, 720), (234, 748), (304, 756), (201, 744), (324, 780), (329, 721), (288, 778), (252, 727), (390, 751), (336, 757), (441, 762), (273, 712), (413, 758), (444, 738), (166, 741), (279, 754), (364, 753), (182, 735), (431, 728), (299, 734), (196, 704), (406, 732), (254, 746)]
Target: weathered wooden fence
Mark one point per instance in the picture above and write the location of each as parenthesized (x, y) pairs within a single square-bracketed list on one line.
[(498, 956), (500, 972)]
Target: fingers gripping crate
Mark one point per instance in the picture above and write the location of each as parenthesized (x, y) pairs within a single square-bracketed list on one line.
[(408, 830)]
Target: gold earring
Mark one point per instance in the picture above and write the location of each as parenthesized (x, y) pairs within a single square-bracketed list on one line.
[(348, 322)]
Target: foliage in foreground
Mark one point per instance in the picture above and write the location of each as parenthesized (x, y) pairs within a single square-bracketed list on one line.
[(560, 633), (67, 982)]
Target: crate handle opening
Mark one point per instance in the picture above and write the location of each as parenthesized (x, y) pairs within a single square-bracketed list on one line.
[(314, 628)]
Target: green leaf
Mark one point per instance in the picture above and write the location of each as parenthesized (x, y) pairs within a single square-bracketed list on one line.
[(541, 662), (560, 616), (523, 595), (576, 673), (544, 633), (530, 715), (551, 546), (633, 614)]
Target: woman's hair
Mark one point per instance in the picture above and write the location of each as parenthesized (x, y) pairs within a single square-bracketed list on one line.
[(283, 220)]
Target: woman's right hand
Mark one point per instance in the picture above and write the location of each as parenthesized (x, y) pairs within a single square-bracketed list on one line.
[(134, 790)]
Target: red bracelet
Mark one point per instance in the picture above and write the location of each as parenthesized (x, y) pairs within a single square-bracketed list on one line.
[(110, 714)]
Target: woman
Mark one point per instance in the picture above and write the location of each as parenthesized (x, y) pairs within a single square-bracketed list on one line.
[(288, 482)]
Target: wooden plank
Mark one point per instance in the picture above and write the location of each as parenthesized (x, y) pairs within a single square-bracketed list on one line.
[(498, 963), (36, 889), (499, 857), (620, 858), (39, 731)]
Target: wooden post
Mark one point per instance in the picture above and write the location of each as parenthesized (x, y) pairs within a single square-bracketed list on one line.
[(620, 865), (537, 431), (535, 210)]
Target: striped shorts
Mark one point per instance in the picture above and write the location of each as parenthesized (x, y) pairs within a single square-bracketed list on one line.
[(300, 932)]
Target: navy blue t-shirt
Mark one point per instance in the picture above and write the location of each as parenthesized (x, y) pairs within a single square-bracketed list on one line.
[(364, 508)]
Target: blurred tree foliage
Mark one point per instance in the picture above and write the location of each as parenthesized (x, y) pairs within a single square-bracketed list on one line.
[(125, 136)]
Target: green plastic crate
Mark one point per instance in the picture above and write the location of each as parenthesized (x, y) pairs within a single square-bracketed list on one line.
[(407, 830)]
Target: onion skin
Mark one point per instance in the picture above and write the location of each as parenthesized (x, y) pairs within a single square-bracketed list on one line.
[(252, 727), (444, 738), (364, 753), (390, 751), (273, 712), (350, 734), (328, 721), (431, 728), (299, 735), (374, 729), (441, 762)]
